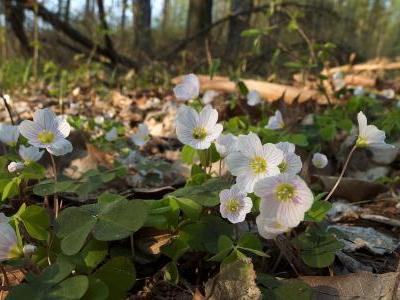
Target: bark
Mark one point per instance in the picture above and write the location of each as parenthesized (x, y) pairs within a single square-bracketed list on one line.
[(77, 36), (123, 15), (199, 17), (67, 10), (236, 26), (165, 14), (142, 25), (15, 16)]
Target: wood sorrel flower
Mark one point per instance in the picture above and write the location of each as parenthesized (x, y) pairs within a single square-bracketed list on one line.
[(270, 228), (253, 161), (291, 163), (188, 89), (209, 96), (276, 121), (319, 160), (8, 242), (30, 153), (9, 134), (15, 166), (284, 197), (226, 143), (369, 135), (141, 137), (253, 98), (197, 130), (111, 135), (235, 204), (47, 131)]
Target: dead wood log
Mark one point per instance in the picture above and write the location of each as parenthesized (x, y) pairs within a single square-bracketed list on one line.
[(383, 65), (269, 91)]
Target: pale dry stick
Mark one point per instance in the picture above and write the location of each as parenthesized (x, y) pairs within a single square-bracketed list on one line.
[(7, 282), (342, 173), (56, 208)]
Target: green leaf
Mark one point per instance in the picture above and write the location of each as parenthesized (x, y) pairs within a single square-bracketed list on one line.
[(243, 88), (252, 32), (171, 272), (11, 189), (97, 290), (33, 170), (251, 241), (71, 288), (224, 242), (175, 249), (318, 211), (51, 187), (188, 154), (190, 208), (295, 289), (107, 197), (119, 275), (36, 221), (119, 219)]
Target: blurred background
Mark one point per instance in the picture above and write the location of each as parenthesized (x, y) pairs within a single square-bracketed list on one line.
[(269, 38)]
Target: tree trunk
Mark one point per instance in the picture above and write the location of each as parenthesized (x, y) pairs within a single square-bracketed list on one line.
[(66, 10), (142, 25), (199, 18), (107, 40), (165, 15), (236, 26), (15, 16), (123, 15)]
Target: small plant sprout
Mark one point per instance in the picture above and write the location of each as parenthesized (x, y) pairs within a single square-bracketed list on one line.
[(15, 166), (188, 89), (253, 161), (141, 137), (8, 242), (47, 131), (270, 228), (284, 197), (253, 98), (111, 135), (369, 136), (9, 134), (209, 96), (30, 153), (291, 163), (276, 121), (319, 160), (235, 204), (359, 91), (226, 143), (197, 130)]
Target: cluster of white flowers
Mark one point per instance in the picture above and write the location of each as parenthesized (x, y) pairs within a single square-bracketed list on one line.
[(269, 171)]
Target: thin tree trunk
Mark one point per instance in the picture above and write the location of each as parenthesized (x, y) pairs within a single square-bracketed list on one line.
[(59, 8), (236, 26), (66, 11), (15, 16), (165, 14), (199, 17), (142, 25), (107, 40), (123, 15)]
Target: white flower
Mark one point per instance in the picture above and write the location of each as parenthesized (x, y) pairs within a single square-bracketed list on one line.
[(111, 135), (47, 131), (28, 250), (4, 218), (15, 166), (31, 153), (319, 160), (369, 135), (225, 144), (359, 91), (338, 81), (8, 242), (209, 96), (291, 163), (141, 137), (388, 93), (197, 130), (270, 228), (253, 98), (9, 134), (253, 161), (284, 197), (234, 204), (99, 120), (276, 121), (188, 89)]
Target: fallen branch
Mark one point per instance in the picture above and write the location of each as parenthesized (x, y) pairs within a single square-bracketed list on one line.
[(269, 91), (384, 65)]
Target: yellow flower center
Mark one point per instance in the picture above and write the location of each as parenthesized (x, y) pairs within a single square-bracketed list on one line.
[(258, 164), (277, 225), (199, 133), (285, 192), (14, 252), (46, 137), (233, 205), (283, 167), (361, 142)]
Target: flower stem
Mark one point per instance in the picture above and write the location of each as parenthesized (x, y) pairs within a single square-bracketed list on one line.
[(55, 180), (342, 173)]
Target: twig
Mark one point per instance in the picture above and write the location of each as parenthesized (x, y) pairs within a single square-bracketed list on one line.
[(8, 108)]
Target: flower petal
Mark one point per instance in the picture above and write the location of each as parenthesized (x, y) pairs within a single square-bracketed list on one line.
[(60, 147)]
